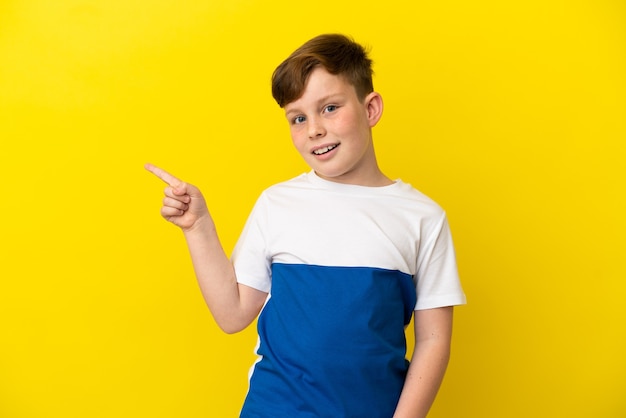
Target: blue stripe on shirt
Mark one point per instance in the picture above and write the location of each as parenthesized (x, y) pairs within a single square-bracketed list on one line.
[(332, 343)]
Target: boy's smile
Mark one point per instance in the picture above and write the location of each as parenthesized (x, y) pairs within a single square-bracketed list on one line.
[(324, 150), (331, 129)]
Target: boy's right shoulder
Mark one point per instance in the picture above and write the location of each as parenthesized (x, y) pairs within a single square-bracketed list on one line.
[(299, 181)]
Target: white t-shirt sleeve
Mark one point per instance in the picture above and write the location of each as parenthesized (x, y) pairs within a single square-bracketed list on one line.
[(437, 278)]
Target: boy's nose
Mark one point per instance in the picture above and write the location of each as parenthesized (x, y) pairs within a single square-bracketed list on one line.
[(316, 129)]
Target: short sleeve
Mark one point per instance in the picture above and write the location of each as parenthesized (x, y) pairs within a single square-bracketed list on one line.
[(250, 255), (437, 278)]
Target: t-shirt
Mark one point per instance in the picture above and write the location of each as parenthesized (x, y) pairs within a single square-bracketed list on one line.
[(344, 267)]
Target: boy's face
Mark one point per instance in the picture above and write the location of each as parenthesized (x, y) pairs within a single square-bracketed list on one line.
[(331, 128)]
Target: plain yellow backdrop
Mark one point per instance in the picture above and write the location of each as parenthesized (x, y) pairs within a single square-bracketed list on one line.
[(510, 114)]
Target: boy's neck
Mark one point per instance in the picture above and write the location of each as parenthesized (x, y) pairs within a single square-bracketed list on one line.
[(374, 179)]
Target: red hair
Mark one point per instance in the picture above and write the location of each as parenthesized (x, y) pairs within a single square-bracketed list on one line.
[(338, 54)]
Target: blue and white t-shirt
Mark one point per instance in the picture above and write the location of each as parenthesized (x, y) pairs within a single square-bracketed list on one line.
[(344, 266)]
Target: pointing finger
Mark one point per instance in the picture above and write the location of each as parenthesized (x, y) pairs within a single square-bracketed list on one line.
[(164, 175)]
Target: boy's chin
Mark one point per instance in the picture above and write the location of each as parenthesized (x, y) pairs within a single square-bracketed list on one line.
[(335, 177)]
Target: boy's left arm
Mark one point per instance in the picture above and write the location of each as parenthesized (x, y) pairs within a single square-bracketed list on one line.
[(433, 334)]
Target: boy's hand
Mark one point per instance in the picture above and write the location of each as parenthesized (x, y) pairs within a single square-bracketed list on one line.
[(183, 204)]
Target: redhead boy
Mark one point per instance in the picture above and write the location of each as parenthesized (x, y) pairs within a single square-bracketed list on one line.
[(334, 262)]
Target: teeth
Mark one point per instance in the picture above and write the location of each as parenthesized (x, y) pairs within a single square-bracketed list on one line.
[(324, 150)]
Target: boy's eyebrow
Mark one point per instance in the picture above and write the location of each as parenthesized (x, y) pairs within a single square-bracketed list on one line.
[(321, 100)]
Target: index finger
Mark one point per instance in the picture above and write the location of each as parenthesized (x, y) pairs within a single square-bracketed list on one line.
[(163, 175)]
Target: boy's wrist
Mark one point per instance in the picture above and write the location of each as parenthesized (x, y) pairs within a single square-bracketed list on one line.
[(202, 225)]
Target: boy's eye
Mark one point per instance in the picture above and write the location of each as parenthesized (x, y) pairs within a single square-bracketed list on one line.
[(330, 108), (298, 120)]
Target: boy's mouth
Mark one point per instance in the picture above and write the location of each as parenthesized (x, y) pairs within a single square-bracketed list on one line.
[(324, 150)]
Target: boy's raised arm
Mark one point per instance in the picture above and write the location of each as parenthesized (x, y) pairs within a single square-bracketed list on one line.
[(234, 306)]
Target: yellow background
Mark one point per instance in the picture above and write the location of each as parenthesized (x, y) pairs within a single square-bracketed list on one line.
[(510, 114)]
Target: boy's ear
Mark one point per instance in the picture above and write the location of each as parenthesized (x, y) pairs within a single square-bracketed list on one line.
[(374, 107)]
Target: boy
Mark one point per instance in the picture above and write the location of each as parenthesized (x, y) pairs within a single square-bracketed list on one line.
[(334, 262)]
